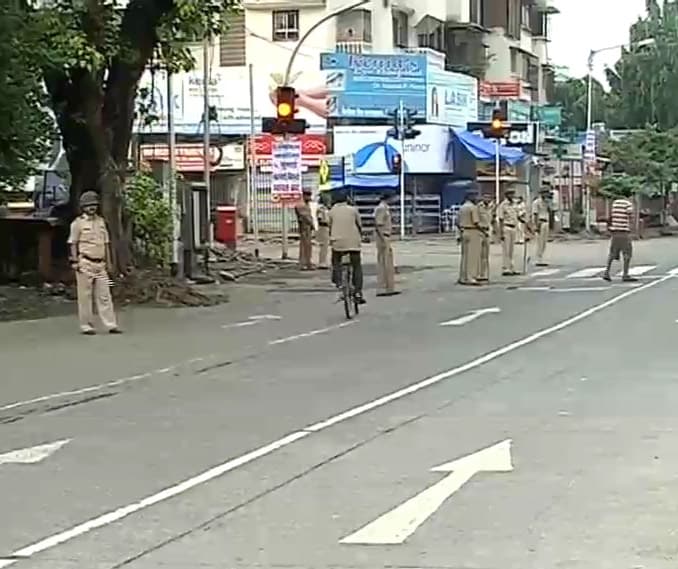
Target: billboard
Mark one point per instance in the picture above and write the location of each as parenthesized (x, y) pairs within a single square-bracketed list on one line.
[(373, 150), (369, 86), (229, 92), (452, 98)]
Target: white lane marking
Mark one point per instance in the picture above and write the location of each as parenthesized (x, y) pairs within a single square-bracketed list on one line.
[(221, 469), (581, 289), (394, 527), (265, 317), (673, 272), (241, 324), (490, 356), (471, 316), (165, 494), (638, 270), (311, 333), (31, 455), (586, 273), (545, 273)]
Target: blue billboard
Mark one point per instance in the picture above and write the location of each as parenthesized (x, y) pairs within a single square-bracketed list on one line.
[(370, 86)]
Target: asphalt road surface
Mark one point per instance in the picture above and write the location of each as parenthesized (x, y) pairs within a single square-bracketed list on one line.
[(530, 424)]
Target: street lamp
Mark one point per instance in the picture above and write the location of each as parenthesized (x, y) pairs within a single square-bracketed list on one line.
[(589, 106), (302, 39)]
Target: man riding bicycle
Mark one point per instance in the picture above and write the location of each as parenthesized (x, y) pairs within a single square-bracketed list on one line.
[(346, 239)]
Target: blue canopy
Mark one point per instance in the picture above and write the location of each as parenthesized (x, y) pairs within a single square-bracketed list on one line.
[(483, 149), (367, 182)]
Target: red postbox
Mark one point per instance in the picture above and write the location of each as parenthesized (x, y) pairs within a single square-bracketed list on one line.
[(226, 230)]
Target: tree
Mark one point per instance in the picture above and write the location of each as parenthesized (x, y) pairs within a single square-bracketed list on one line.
[(26, 127), (95, 54), (572, 93), (645, 79)]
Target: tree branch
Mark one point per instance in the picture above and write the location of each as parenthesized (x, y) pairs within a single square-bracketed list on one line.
[(138, 38)]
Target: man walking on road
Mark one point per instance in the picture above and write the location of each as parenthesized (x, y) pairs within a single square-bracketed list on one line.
[(508, 218), (323, 234), (471, 239), (346, 238), (91, 259), (485, 211), (383, 228), (541, 215), (621, 242), (306, 227)]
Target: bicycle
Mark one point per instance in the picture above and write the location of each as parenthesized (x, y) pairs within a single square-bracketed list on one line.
[(351, 303)]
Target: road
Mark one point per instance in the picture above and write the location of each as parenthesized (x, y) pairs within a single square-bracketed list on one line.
[(272, 433)]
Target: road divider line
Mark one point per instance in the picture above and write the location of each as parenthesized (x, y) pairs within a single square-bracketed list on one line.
[(232, 464), (311, 333)]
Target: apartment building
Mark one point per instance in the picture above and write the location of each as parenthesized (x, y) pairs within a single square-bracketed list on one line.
[(502, 42)]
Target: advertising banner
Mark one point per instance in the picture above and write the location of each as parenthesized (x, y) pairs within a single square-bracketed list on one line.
[(369, 86), (452, 98)]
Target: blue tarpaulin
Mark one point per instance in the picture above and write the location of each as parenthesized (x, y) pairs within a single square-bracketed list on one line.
[(367, 182), (481, 148)]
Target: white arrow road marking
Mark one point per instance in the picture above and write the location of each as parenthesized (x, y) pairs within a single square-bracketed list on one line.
[(31, 455), (396, 526), (471, 317)]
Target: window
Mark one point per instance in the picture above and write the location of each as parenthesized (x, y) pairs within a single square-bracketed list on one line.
[(525, 17), (476, 11), (400, 29), (285, 25), (232, 43), (515, 61), (514, 17)]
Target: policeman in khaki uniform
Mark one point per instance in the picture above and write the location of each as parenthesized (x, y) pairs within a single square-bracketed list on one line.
[(471, 239), (383, 228), (485, 211), (508, 217), (541, 214), (323, 234), (306, 227), (91, 259)]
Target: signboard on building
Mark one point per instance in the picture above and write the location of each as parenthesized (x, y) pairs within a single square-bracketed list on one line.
[(369, 86), (500, 90), (523, 135), (286, 174), (452, 98), (313, 148), (373, 150), (189, 157)]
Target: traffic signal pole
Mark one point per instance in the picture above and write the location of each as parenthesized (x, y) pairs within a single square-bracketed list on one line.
[(401, 131), (497, 171)]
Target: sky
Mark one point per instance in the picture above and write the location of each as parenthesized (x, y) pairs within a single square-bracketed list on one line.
[(583, 25)]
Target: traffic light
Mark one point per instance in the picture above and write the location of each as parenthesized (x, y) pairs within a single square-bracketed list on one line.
[(403, 127), (285, 107), (498, 125), (397, 163)]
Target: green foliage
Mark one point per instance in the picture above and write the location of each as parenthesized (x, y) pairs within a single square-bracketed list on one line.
[(645, 79), (571, 95), (645, 161), (26, 127), (151, 217)]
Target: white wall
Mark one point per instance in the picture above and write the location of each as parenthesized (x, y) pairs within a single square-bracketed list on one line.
[(458, 10), (500, 53), (262, 51)]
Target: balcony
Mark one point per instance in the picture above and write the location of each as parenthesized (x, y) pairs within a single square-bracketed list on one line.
[(356, 47), (282, 4), (465, 49)]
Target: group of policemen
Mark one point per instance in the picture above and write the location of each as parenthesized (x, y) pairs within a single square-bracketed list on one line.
[(475, 222), (342, 233)]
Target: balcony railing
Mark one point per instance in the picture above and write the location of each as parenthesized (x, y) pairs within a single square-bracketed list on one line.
[(282, 4), (356, 47)]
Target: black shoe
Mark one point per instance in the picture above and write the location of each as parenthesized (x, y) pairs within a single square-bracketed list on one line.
[(629, 279), (115, 331), (606, 277), (360, 299), (89, 332)]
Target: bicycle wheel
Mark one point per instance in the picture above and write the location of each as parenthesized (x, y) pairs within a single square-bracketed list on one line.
[(347, 290)]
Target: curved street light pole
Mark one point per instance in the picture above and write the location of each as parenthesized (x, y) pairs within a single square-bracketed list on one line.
[(315, 26)]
